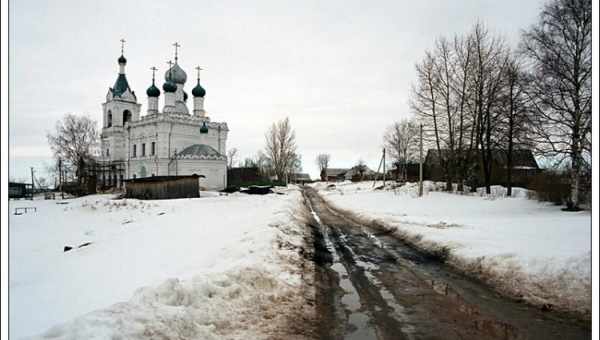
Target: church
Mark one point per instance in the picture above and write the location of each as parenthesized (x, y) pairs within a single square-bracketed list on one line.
[(162, 142)]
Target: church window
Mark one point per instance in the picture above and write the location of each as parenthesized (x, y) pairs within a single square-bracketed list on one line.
[(143, 149), (153, 148), (126, 116), (134, 150), (107, 152), (109, 119)]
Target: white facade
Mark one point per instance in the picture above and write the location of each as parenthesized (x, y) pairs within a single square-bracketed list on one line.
[(167, 142)]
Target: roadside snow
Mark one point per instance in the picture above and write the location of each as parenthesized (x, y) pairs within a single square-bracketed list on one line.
[(530, 249), (208, 265)]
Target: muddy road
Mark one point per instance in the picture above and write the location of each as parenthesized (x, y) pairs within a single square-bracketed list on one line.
[(371, 285)]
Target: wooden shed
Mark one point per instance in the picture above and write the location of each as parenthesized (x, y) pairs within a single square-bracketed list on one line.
[(163, 187)]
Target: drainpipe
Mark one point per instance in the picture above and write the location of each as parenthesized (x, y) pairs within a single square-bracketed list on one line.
[(169, 151), (128, 150)]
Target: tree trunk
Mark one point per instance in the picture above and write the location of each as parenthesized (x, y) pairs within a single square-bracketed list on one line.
[(575, 170)]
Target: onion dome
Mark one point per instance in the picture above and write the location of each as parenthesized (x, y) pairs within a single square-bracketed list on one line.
[(122, 60), (153, 91), (176, 74), (204, 128), (169, 87), (198, 91)]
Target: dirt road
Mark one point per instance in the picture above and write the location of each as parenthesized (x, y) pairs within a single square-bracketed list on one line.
[(371, 285)]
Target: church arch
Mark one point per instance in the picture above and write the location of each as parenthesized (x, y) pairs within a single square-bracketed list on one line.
[(109, 119), (126, 116)]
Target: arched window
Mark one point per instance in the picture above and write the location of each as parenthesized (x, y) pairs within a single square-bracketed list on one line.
[(126, 116), (109, 119)]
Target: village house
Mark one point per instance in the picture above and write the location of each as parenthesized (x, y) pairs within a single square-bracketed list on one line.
[(524, 167)]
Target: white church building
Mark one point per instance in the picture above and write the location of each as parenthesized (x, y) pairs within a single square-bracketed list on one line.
[(161, 142)]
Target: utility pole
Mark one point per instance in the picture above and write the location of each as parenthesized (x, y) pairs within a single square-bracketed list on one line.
[(60, 178), (32, 184), (384, 168), (420, 160)]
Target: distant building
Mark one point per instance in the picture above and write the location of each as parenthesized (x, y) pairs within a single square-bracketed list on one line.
[(171, 141), (524, 167), (335, 174)]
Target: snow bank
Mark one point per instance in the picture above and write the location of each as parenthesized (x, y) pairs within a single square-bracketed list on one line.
[(208, 263), (522, 246)]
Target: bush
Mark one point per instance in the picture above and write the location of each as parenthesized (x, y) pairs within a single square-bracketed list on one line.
[(550, 186)]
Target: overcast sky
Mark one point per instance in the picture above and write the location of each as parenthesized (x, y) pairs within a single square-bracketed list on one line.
[(340, 70)]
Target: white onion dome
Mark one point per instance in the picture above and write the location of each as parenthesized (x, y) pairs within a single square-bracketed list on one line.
[(176, 74)]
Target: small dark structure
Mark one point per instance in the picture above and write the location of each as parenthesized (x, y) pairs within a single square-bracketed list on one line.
[(163, 187), (300, 178), (258, 190), (19, 190)]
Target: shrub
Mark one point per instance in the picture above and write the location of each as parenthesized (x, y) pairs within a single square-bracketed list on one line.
[(551, 186)]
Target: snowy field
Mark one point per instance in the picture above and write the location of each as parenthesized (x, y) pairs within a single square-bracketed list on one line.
[(527, 248), (190, 268)]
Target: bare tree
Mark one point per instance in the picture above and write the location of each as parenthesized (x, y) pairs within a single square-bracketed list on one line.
[(559, 48), (281, 147), (490, 61), (231, 157), (322, 161), (361, 167), (514, 122), (401, 140), (74, 141)]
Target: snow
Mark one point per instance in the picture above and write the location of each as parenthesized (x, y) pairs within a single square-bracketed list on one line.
[(542, 245), (200, 260)]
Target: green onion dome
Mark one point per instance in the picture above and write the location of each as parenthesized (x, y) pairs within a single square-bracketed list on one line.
[(169, 87), (204, 128), (153, 91), (198, 91), (122, 60)]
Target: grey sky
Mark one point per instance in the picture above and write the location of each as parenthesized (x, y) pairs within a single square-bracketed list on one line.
[(341, 70)]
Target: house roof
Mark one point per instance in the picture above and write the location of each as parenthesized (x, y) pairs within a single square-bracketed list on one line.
[(160, 178), (335, 171)]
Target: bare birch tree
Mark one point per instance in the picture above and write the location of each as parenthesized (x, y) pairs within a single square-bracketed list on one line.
[(281, 147), (322, 161), (559, 48), (402, 141), (231, 157)]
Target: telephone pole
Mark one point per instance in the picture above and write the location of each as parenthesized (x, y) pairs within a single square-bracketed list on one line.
[(32, 184), (384, 168), (420, 160)]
